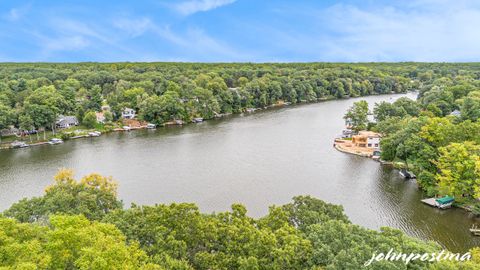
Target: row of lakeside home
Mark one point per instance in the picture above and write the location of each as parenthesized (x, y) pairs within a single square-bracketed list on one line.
[(70, 121)]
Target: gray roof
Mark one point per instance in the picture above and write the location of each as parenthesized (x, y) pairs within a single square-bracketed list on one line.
[(456, 113), (70, 120)]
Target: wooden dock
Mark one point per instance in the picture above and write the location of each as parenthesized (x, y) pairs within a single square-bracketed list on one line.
[(430, 201), (475, 230)]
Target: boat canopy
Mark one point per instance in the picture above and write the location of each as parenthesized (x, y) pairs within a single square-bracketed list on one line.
[(445, 200)]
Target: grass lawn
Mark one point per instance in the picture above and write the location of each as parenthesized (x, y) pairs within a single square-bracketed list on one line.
[(62, 133), (32, 138)]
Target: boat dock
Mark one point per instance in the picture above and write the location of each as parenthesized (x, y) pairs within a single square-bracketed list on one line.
[(430, 201), (442, 203), (475, 230)]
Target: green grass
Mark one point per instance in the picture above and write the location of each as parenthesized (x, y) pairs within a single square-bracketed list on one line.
[(76, 131)]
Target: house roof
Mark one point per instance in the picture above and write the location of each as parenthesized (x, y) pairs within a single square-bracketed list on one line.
[(367, 133), (456, 113), (67, 120)]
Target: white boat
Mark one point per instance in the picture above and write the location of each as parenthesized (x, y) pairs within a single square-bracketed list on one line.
[(347, 133), (445, 202), (17, 144), (197, 120), (151, 126), (94, 134), (55, 141), (126, 128), (407, 174)]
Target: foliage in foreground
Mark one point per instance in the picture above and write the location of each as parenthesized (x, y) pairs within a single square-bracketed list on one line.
[(67, 242), (304, 234), (93, 196)]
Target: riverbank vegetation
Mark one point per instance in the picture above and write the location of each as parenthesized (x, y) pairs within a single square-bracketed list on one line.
[(33, 95), (82, 225), (436, 136)]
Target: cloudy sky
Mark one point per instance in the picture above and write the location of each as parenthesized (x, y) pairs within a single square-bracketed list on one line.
[(240, 30)]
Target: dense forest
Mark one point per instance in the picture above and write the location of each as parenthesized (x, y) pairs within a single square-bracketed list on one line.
[(80, 224)]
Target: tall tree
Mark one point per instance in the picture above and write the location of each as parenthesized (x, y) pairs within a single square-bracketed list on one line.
[(357, 115)]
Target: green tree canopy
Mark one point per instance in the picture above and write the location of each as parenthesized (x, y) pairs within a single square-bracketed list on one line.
[(357, 115), (93, 196)]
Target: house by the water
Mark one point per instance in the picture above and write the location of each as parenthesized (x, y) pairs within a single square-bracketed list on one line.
[(128, 113), (368, 139), (66, 121)]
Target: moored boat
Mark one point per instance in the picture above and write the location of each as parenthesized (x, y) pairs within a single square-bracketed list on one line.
[(442, 203), (407, 174), (94, 134), (376, 155), (445, 202), (197, 120), (55, 141), (347, 133), (151, 126), (17, 144)]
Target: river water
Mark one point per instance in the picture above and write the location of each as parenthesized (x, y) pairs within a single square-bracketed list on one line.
[(256, 159)]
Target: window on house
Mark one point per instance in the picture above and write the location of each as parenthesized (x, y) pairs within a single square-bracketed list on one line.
[(369, 145)]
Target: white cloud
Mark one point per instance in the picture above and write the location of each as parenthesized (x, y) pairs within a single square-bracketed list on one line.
[(441, 31), (133, 27), (192, 43), (88, 39), (68, 43), (16, 13), (194, 6), (13, 14)]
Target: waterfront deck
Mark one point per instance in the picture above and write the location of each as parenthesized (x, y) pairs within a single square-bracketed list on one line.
[(475, 230), (430, 201), (441, 203), (347, 147)]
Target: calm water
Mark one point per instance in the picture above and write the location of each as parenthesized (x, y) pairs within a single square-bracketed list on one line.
[(259, 159)]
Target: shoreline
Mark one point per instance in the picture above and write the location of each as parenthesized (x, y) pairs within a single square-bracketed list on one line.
[(396, 165), (171, 123)]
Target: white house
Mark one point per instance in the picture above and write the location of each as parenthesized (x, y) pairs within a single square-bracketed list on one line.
[(128, 113), (366, 139), (373, 142), (66, 121)]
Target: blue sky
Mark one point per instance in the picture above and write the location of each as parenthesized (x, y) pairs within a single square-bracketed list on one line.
[(240, 30)]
